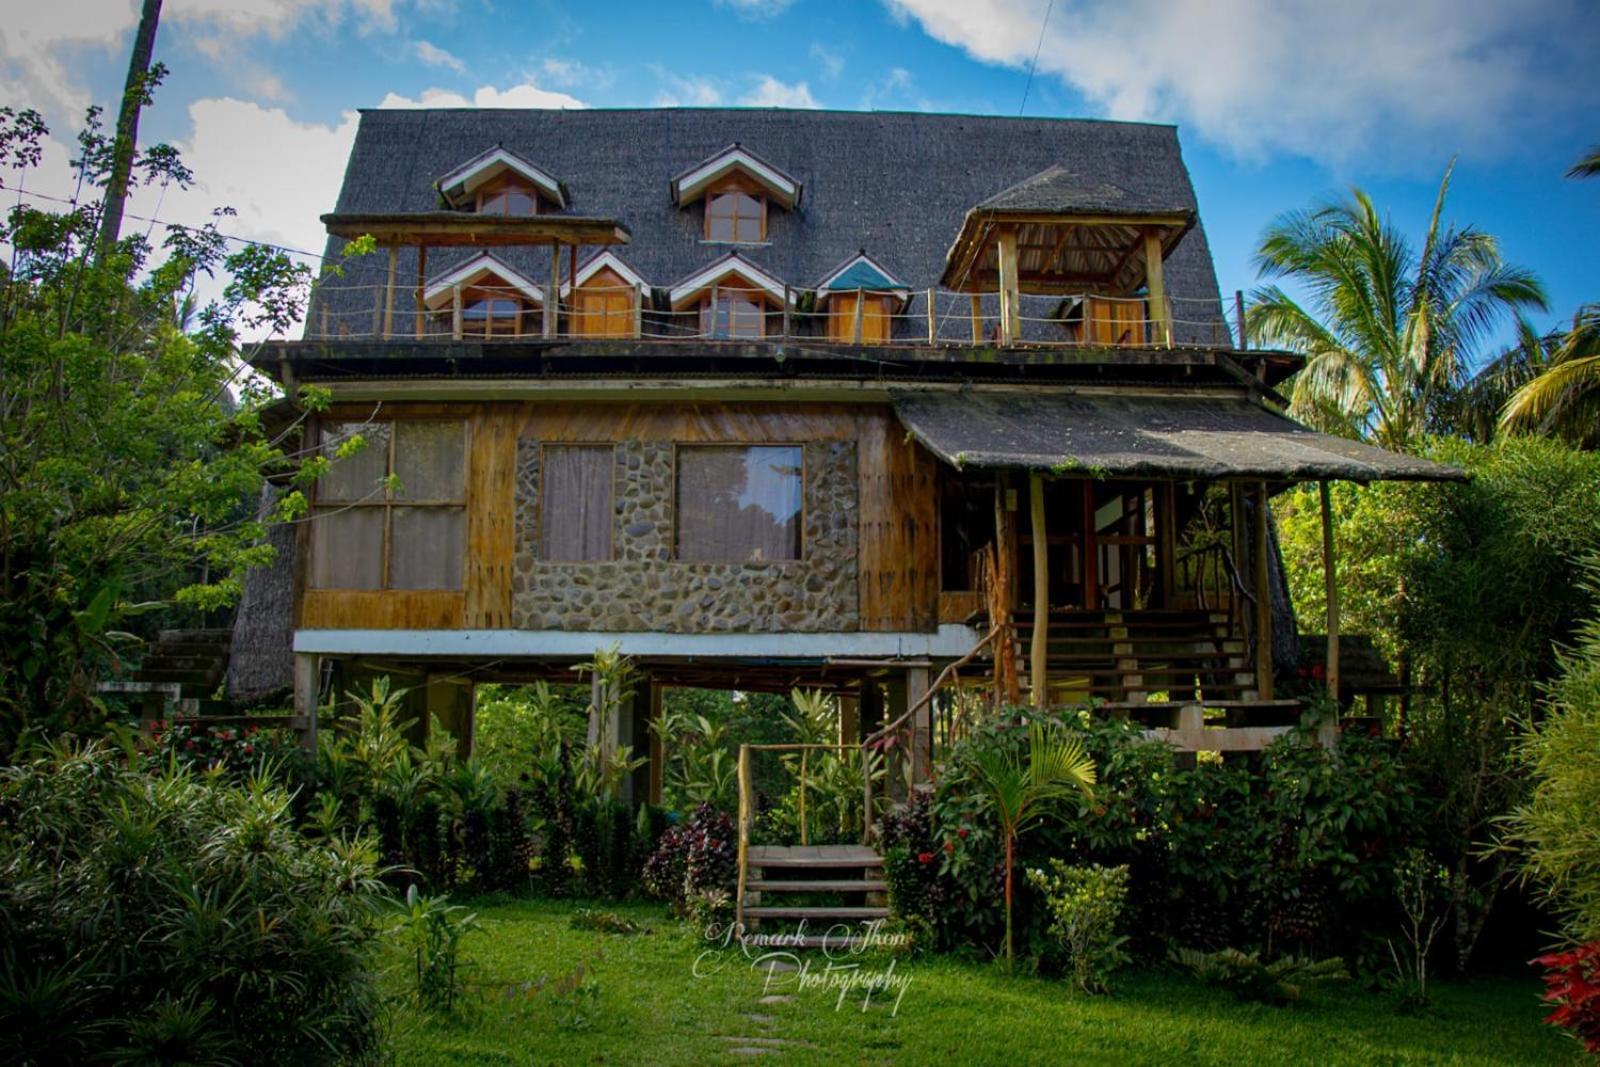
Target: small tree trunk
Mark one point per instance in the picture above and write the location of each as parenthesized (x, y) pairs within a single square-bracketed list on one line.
[(122, 149), (1011, 956)]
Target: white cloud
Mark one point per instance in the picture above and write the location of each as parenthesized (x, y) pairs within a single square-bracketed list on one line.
[(770, 92), (1322, 80), (524, 95), (432, 55), (756, 9), (831, 61), (575, 74), (679, 91)]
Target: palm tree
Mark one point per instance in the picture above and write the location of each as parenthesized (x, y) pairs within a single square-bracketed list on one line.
[(1056, 767), (1387, 330), (1564, 399), (1474, 411)]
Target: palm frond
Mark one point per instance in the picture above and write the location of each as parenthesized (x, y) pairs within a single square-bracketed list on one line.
[(1588, 166)]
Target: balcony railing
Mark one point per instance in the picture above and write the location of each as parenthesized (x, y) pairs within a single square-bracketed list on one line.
[(932, 317)]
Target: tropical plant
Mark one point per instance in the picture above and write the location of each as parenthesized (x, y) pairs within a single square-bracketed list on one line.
[(1388, 330), (1018, 787), (181, 917), (1420, 884), (431, 928), (1085, 903), (1563, 398), (1572, 984), (1248, 977), (1555, 826)]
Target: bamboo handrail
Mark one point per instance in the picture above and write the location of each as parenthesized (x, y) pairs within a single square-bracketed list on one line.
[(744, 837)]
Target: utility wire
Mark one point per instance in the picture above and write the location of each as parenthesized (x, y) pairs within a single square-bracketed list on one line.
[(1037, 48)]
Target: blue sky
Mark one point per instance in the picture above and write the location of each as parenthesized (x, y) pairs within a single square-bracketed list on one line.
[(1278, 102)]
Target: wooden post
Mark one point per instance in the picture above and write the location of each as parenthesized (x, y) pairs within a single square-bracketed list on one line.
[(1263, 597), (455, 311), (921, 725), (1089, 551), (658, 753), (787, 324), (933, 320), (1000, 597), (849, 720), (1331, 588), (1238, 313), (744, 836), (422, 283), (977, 318), (1155, 283), (552, 295), (572, 293), (388, 291), (1006, 247), (1167, 540), (805, 830), (1039, 653), (307, 669)]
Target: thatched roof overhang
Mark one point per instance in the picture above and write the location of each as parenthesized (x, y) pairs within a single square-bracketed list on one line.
[(444, 229), (1180, 435), (1060, 252)]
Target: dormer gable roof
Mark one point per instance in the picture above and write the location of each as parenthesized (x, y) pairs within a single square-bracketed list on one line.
[(458, 186), (472, 272), (731, 264), (605, 261), (693, 183), (862, 272)]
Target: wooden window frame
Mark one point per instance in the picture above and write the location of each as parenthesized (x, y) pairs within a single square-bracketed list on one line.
[(389, 502), (505, 182), (801, 555), (737, 186), (611, 526), (755, 296), (576, 313)]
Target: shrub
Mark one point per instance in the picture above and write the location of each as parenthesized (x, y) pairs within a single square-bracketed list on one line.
[(181, 913), (693, 860), (1572, 984), (1243, 974), (1086, 902), (605, 922), (431, 929)]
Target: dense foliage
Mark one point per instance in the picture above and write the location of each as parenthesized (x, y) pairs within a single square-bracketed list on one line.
[(1294, 854), (176, 918), (1085, 901), (1572, 984)]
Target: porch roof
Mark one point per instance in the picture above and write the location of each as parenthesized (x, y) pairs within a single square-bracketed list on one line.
[(1142, 434)]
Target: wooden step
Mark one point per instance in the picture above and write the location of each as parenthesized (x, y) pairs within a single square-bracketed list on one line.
[(829, 885), (812, 856), (833, 944), (781, 912)]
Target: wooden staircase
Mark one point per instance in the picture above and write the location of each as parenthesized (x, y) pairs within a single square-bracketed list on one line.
[(783, 883), (180, 673), (1127, 657)]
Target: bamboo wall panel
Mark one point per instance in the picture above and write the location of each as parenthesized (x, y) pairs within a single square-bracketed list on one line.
[(491, 515), (378, 609), (899, 565)]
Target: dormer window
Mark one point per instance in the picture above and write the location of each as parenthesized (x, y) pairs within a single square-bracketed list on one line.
[(500, 182), (738, 188), (860, 299), (736, 216), (506, 195), (729, 298), (485, 298)]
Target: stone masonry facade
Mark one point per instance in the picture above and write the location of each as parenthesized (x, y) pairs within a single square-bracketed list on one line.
[(643, 588)]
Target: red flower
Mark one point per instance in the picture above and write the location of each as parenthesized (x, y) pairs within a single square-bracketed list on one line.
[(962, 832), (925, 858), (1319, 672), (950, 848)]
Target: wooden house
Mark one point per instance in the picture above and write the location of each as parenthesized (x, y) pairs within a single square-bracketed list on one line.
[(772, 398)]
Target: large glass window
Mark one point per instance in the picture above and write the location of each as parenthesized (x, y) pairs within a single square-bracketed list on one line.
[(575, 502), (739, 503), (392, 515), (736, 217), (732, 313), (507, 196)]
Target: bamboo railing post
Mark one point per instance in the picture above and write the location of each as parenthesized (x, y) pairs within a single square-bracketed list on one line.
[(933, 323), (1263, 598), (977, 318), (1330, 580), (455, 311), (787, 323), (805, 830), (1156, 289), (744, 836), (552, 295), (422, 281), (1039, 653), (1010, 297), (388, 291), (866, 798)]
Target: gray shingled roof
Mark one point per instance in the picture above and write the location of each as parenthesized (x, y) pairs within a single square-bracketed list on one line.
[(1058, 189), (1130, 434), (895, 184)]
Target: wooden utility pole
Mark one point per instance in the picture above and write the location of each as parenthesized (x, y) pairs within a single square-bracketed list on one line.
[(134, 93)]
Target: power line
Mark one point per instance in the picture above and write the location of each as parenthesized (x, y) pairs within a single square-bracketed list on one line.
[(181, 226), (1037, 48)]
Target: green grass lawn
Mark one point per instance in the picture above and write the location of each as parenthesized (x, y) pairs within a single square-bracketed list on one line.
[(651, 1008)]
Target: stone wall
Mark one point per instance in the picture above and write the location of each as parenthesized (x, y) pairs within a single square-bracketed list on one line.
[(642, 588)]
